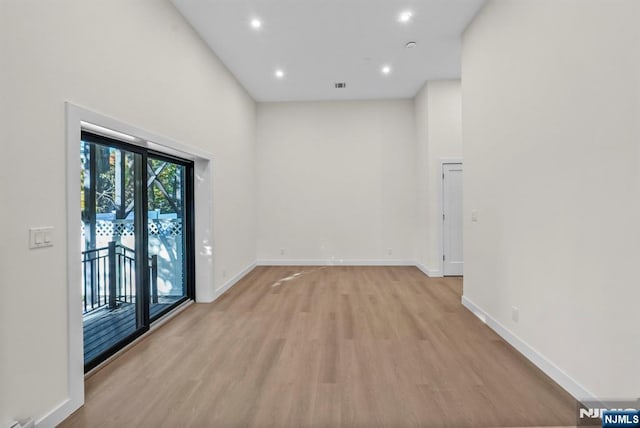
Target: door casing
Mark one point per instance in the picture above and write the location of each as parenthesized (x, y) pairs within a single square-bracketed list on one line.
[(78, 119)]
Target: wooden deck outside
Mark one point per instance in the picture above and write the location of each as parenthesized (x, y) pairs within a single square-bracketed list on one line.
[(104, 327)]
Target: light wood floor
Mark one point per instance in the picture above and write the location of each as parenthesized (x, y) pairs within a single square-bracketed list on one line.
[(330, 347)]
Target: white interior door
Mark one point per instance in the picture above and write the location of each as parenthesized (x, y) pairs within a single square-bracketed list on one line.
[(452, 260)]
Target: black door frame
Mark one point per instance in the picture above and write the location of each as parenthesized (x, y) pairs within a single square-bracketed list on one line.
[(142, 251)]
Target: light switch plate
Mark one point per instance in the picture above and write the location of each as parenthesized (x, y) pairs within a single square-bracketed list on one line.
[(40, 237)]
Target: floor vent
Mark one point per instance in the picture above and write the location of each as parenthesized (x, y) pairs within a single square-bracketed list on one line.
[(340, 85)]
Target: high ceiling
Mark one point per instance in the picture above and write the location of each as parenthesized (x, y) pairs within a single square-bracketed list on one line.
[(285, 50)]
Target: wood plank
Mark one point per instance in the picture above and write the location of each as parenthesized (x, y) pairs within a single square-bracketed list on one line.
[(331, 347)]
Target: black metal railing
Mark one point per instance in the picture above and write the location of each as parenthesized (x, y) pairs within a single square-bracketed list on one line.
[(108, 277)]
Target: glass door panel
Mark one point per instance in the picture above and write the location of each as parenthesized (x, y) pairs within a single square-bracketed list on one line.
[(111, 204), (167, 229)]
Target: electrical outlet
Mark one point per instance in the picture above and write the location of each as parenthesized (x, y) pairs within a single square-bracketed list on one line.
[(282, 251), (474, 216), (224, 273), (515, 313), (389, 251)]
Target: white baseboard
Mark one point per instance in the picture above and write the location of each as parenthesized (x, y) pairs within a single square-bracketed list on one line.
[(335, 262), (543, 363), (431, 273), (58, 414), (231, 282)]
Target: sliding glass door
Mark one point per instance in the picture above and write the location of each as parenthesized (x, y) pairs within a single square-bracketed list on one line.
[(169, 237), (137, 241)]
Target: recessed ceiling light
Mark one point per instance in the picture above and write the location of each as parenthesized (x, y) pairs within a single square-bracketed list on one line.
[(410, 45), (256, 23), (405, 16), (279, 73), (386, 69)]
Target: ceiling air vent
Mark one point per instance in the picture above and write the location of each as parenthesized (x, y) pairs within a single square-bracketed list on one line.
[(340, 85)]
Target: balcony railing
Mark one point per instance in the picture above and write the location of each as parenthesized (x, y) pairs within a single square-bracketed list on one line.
[(108, 277)]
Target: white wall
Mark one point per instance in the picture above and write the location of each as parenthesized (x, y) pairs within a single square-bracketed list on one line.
[(4, 250), (136, 61), (336, 181), (438, 119), (551, 106)]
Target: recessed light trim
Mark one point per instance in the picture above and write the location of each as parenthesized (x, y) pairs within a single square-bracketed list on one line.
[(279, 73), (405, 16), (386, 69), (410, 45), (256, 23)]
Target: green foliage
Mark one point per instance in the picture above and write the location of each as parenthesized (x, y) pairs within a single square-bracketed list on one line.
[(165, 193)]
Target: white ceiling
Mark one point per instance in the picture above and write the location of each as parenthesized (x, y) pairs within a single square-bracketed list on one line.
[(320, 42)]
